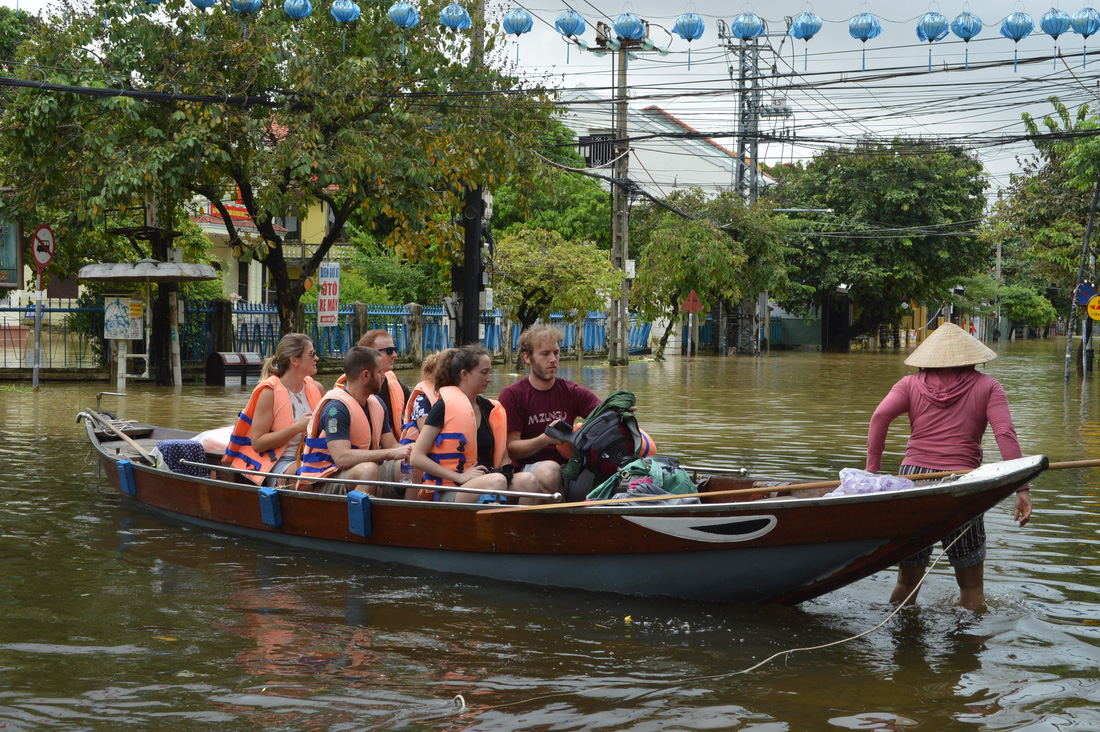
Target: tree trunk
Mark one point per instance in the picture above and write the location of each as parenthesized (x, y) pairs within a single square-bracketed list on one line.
[(286, 303)]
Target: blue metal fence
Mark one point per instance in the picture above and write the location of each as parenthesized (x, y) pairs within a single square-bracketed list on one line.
[(71, 336), (72, 333)]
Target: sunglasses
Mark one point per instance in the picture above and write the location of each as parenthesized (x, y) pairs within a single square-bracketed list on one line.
[(388, 350)]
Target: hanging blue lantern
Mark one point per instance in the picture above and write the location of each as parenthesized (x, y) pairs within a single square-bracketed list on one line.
[(747, 26), (245, 8), (405, 16), (517, 21), (932, 27), (298, 9), (628, 27), (344, 12), (966, 25), (805, 26), (864, 27), (1017, 27), (690, 27), (1085, 22), (1054, 23), (203, 6), (571, 25), (455, 17)]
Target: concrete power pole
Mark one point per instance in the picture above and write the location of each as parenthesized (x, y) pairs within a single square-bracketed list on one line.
[(619, 325), (747, 178)]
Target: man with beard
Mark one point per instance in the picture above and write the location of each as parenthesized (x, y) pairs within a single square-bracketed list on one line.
[(534, 402), (393, 393), (349, 435)]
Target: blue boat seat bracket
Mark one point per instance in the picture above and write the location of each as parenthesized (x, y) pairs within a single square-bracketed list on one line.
[(270, 510), (126, 477), (359, 514)]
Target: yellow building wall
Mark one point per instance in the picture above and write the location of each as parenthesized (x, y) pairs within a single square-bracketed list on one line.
[(313, 224)]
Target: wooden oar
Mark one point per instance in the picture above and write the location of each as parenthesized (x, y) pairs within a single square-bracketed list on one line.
[(761, 489), (125, 438)]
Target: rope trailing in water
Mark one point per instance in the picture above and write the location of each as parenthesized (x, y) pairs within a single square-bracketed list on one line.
[(461, 706)]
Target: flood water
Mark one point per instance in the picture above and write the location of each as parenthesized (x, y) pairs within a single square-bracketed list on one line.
[(111, 619)]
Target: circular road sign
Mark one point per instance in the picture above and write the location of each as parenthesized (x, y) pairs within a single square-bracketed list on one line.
[(1094, 308), (43, 245)]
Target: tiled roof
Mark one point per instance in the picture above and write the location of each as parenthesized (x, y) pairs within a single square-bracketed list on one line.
[(655, 111)]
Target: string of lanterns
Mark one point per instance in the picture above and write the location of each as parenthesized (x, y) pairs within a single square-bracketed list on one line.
[(571, 25)]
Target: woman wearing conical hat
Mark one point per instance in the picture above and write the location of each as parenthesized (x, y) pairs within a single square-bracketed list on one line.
[(949, 404)]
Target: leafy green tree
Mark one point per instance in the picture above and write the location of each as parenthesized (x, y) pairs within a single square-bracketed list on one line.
[(15, 25), (540, 195), (1040, 217), (284, 113), (537, 273), (1022, 304), (743, 255), (900, 228), (354, 287)]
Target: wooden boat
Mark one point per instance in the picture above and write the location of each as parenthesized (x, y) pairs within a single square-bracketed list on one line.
[(754, 547)]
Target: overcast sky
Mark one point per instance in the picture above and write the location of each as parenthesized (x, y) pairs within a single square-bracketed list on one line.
[(832, 100)]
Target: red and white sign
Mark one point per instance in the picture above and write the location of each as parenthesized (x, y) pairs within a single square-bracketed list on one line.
[(43, 246), (692, 304), (328, 296)]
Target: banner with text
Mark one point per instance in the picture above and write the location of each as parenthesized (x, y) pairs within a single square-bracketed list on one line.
[(328, 298)]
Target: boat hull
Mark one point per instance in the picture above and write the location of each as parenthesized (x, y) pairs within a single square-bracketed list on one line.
[(780, 550)]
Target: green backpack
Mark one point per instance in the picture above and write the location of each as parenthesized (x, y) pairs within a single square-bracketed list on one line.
[(666, 474)]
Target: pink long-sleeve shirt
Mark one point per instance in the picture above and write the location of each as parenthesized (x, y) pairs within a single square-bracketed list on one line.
[(948, 413)]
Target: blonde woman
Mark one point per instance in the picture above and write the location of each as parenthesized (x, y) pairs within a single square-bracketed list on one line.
[(269, 430)]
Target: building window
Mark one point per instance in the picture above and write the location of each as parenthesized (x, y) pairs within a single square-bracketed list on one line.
[(242, 279), (597, 148), (292, 225)]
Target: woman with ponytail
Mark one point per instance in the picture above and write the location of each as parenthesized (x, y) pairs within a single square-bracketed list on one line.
[(463, 438), (269, 431)]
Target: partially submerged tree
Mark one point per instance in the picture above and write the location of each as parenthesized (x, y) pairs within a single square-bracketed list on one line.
[(725, 251), (901, 228), (279, 113), (538, 273)]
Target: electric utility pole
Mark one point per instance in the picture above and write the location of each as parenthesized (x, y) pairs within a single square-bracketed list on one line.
[(619, 345), (469, 284)]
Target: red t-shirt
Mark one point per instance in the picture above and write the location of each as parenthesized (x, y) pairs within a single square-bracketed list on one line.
[(530, 410)]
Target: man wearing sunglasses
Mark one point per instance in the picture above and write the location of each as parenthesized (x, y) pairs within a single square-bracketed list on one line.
[(393, 393)]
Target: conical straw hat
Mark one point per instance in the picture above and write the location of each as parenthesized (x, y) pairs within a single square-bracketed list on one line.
[(947, 347)]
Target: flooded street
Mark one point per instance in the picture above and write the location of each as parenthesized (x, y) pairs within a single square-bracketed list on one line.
[(113, 619)]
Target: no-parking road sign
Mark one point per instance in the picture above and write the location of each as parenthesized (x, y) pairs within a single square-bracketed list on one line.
[(43, 245)]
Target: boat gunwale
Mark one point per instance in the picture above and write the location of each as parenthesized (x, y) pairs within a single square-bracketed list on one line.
[(937, 487)]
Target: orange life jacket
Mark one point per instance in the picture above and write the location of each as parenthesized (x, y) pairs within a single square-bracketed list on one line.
[(397, 399), (366, 434), (239, 453), (456, 445), (409, 430)]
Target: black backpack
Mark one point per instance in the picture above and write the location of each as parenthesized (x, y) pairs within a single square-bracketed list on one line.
[(604, 443)]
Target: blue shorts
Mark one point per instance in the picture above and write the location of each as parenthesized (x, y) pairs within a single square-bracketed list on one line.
[(969, 551)]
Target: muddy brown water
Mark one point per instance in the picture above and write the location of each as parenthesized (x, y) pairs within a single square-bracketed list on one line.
[(111, 619)]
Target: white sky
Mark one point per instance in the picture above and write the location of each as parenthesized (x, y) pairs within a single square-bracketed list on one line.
[(952, 102)]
